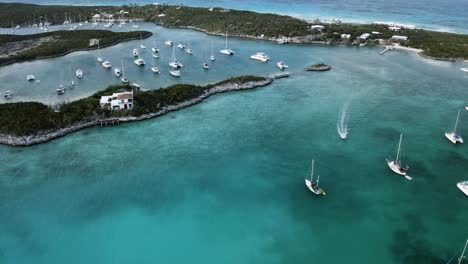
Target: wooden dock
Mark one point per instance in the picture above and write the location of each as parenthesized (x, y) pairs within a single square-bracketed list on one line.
[(385, 50), (109, 122)]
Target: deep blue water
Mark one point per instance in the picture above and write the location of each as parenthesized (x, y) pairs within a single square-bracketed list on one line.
[(445, 15)]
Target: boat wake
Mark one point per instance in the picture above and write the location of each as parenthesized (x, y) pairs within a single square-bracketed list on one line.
[(342, 124)]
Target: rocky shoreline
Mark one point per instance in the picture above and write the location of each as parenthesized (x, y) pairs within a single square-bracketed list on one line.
[(47, 136)]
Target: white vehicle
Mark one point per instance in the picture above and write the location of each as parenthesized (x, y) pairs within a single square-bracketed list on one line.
[(154, 68), (60, 90), (281, 65), (79, 73), (396, 165), (453, 136), (189, 51), (99, 58), (206, 66), (174, 62), (314, 186), (226, 50), (71, 84), (135, 52), (136, 26), (181, 46), (212, 57), (464, 69), (30, 77), (168, 43), (107, 64), (260, 56), (123, 79)]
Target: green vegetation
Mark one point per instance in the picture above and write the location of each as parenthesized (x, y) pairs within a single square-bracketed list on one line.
[(17, 48), (29, 118), (438, 44)]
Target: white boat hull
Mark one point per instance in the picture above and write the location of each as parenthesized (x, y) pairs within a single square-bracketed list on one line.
[(175, 73), (453, 138), (316, 191), (155, 69), (226, 52), (396, 168), (464, 69), (463, 186)]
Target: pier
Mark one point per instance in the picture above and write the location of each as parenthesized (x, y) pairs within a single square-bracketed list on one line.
[(386, 49), (110, 122)]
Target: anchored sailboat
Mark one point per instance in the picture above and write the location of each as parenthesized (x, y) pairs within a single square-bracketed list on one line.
[(174, 62), (99, 58), (227, 51), (396, 165), (212, 57), (314, 186), (453, 136), (123, 79)]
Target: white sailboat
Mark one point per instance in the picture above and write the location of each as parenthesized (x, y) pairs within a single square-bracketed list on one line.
[(155, 49), (314, 186), (463, 186), (141, 45), (212, 57), (135, 53), (396, 165), (189, 50), (168, 43), (117, 72), (30, 77), (154, 68), (226, 50), (453, 136), (79, 73), (8, 95), (206, 66), (107, 64), (123, 79), (60, 90), (99, 58), (174, 63), (175, 73)]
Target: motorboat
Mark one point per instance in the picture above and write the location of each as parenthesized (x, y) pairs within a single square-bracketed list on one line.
[(463, 186), (139, 62), (107, 64), (464, 69), (117, 72), (30, 77), (155, 50), (189, 51), (71, 84), (175, 73), (206, 66), (260, 56), (79, 73), (181, 46), (8, 95), (136, 26), (135, 53), (168, 43), (281, 65), (155, 55), (60, 90), (453, 136)]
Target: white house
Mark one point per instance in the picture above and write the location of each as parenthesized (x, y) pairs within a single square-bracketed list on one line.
[(317, 27), (364, 36), (393, 28), (117, 101), (345, 36), (397, 37)]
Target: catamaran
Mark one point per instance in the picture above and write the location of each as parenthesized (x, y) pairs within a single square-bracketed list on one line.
[(123, 79), (71, 84), (453, 136), (174, 63), (212, 57), (396, 165), (139, 62), (226, 50), (314, 186)]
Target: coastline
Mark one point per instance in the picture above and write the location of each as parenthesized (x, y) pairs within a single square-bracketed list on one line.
[(46, 136)]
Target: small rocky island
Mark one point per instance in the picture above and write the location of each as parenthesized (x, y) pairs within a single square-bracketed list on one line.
[(318, 67)]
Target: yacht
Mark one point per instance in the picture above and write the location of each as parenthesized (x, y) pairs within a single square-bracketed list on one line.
[(226, 50), (155, 50), (8, 95), (314, 186), (281, 65), (30, 77), (396, 165), (117, 72), (99, 58), (181, 46), (189, 51), (135, 53), (206, 66), (175, 73), (79, 73), (453, 136), (168, 43), (154, 68), (107, 64), (464, 69), (123, 79), (463, 186), (260, 56), (139, 62), (60, 90)]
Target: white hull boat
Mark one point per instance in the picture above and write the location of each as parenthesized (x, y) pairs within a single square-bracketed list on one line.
[(139, 62), (282, 66), (226, 50), (260, 56), (135, 53), (206, 66), (8, 95), (30, 77), (117, 72), (463, 186), (453, 136), (396, 165), (155, 50), (313, 186), (107, 64), (181, 46), (168, 43), (464, 69), (79, 73), (60, 90), (175, 73)]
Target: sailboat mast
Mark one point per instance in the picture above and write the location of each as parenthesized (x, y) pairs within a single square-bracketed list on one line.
[(226, 41), (456, 121), (463, 253), (98, 49), (312, 171), (398, 152), (123, 74), (212, 48)]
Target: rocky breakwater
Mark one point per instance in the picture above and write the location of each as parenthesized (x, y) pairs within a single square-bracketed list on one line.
[(318, 67)]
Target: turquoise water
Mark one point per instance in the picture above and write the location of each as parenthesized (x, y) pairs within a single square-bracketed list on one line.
[(223, 181), (444, 15)]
